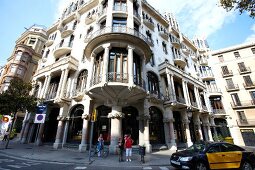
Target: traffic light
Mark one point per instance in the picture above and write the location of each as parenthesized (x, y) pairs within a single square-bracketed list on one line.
[(94, 115), (5, 119)]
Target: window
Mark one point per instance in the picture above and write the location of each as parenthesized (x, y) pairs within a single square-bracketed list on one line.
[(252, 93), (90, 30), (25, 57), (153, 84), (82, 81), (253, 50), (164, 47), (137, 70), (220, 57), (226, 147), (235, 99), (13, 69), (230, 84), (74, 25), (242, 117), (152, 61), (47, 53), (242, 67), (119, 24), (118, 70), (32, 41), (225, 70), (71, 41), (237, 55), (248, 81), (18, 55), (20, 71), (120, 5)]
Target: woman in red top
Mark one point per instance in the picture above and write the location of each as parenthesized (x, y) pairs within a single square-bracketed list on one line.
[(128, 146)]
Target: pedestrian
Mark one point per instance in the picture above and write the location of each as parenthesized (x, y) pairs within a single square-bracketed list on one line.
[(100, 145), (5, 136), (128, 146), (121, 149)]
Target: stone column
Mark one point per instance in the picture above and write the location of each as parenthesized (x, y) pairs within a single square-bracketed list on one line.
[(63, 84), (166, 130), (209, 132), (65, 132), (43, 87), (31, 133), (58, 140), (186, 122), (60, 83), (197, 123), (198, 98), (24, 125), (116, 127), (171, 88), (173, 145), (106, 61), (147, 135), (40, 134), (46, 86), (130, 66), (184, 86), (84, 140)]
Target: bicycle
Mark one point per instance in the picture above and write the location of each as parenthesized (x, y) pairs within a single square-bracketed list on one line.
[(104, 153)]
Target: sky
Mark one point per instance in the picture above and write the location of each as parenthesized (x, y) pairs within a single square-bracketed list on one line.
[(203, 18)]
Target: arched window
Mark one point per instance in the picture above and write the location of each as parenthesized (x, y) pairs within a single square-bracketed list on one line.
[(153, 83), (82, 81), (98, 68)]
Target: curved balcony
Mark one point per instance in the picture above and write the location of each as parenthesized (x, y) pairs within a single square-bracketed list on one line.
[(203, 61), (213, 91), (149, 23), (49, 42), (66, 32), (176, 43), (116, 88), (194, 57), (185, 51), (102, 15), (207, 75), (62, 49), (164, 35), (118, 34), (90, 18), (137, 18), (180, 61)]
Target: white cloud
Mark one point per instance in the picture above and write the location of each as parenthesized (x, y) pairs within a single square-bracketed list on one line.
[(251, 38), (196, 17)]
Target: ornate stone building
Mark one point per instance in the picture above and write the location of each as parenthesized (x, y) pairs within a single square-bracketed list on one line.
[(133, 66)]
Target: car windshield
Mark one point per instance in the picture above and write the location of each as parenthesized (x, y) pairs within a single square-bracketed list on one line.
[(196, 147)]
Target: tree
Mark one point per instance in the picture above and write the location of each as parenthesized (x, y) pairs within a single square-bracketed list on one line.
[(241, 5), (16, 99)]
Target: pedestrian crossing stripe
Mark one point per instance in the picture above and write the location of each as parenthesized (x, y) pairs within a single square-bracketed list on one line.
[(79, 167)]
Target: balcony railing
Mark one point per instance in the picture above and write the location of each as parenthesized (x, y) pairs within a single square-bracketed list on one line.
[(122, 8), (180, 100), (227, 73), (243, 104), (246, 122), (249, 85), (244, 70), (232, 87), (219, 111), (51, 95), (117, 29), (194, 104), (117, 77)]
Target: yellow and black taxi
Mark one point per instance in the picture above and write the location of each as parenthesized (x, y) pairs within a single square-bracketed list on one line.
[(213, 155)]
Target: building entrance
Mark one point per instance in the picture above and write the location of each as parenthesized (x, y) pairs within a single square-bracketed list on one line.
[(75, 125), (130, 124)]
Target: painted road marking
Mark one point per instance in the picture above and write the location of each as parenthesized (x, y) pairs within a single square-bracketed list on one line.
[(79, 167)]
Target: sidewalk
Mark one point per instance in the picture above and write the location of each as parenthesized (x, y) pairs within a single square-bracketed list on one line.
[(47, 153)]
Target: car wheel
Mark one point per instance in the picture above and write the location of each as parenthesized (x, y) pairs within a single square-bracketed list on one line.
[(246, 166), (201, 166)]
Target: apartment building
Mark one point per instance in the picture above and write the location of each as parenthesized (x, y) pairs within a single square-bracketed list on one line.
[(218, 116), (130, 65), (235, 75), (24, 59)]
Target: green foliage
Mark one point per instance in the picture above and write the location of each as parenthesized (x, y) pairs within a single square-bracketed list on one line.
[(218, 138), (16, 98), (241, 5)]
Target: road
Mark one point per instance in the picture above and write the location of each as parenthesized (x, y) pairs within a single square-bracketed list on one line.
[(14, 163)]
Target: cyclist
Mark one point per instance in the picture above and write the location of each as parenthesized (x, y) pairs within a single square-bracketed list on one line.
[(100, 145)]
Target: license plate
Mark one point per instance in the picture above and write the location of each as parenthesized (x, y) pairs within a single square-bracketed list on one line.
[(175, 162)]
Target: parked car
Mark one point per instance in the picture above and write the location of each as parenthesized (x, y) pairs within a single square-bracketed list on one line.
[(213, 155)]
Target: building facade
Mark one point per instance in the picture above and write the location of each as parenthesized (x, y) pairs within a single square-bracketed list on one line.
[(23, 61), (234, 72), (129, 64)]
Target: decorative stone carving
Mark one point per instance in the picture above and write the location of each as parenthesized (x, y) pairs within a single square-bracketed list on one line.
[(116, 115)]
